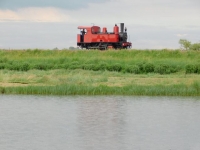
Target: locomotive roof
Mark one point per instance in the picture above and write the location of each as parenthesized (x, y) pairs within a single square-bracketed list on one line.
[(86, 27)]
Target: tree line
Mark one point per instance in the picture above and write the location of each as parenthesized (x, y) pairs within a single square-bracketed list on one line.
[(187, 45)]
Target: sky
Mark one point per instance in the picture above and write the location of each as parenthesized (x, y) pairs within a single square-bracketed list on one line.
[(45, 24)]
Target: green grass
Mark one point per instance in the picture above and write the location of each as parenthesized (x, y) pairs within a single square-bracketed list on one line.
[(131, 61), (83, 72), (83, 82)]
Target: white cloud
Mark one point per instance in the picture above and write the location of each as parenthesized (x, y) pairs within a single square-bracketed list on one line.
[(143, 12), (7, 15), (35, 15), (181, 35)]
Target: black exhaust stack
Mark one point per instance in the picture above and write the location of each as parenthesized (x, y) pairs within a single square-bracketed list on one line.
[(122, 27)]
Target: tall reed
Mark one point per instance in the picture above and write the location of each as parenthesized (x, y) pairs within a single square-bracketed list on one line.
[(154, 90)]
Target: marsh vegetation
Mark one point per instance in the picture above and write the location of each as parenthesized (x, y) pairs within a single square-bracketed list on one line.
[(132, 72)]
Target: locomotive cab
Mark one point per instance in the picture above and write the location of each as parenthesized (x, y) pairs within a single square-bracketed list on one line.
[(83, 32)]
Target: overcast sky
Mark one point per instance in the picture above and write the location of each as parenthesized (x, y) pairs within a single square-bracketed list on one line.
[(48, 24)]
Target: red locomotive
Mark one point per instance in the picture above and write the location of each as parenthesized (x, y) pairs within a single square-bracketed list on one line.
[(92, 38)]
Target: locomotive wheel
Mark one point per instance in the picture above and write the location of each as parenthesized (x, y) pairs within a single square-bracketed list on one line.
[(106, 47)]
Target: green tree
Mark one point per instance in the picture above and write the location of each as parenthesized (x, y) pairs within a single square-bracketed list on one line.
[(185, 44), (71, 48), (195, 47)]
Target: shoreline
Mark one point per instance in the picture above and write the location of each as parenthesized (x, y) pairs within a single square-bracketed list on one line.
[(159, 90), (83, 82)]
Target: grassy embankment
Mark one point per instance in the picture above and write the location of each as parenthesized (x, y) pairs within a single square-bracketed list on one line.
[(131, 72)]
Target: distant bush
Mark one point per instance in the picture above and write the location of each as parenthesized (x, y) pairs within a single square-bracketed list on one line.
[(59, 66), (40, 66), (90, 67), (86, 66), (102, 66), (66, 65), (198, 68), (24, 67), (74, 65), (141, 66), (192, 68), (133, 69), (114, 67), (166, 69), (148, 68), (16, 66), (2, 65), (43, 66)]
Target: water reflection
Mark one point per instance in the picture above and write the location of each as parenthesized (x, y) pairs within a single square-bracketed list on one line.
[(99, 122), (103, 120)]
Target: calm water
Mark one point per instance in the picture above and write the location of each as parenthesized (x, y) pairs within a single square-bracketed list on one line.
[(99, 123)]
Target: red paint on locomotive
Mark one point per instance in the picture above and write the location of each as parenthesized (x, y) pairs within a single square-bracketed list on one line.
[(93, 38)]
